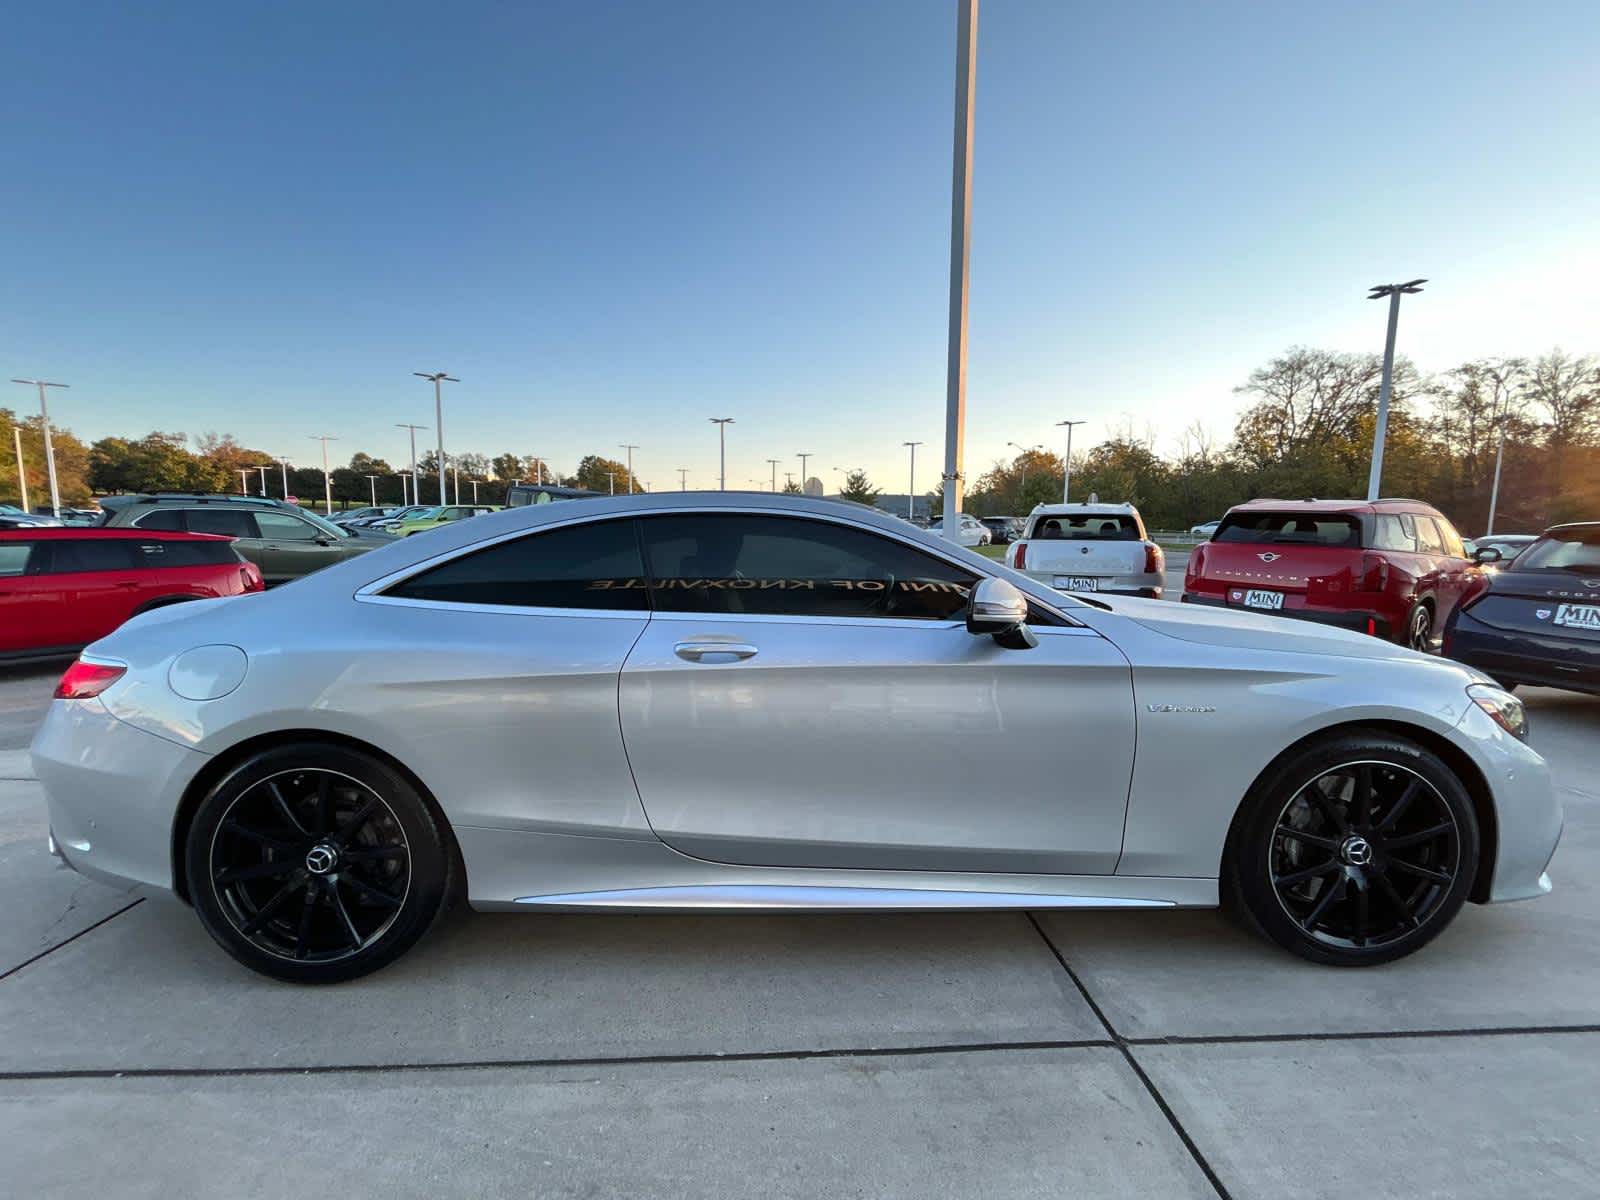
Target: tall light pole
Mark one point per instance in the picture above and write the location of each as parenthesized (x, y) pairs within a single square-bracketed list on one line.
[(1503, 378), (283, 466), (774, 463), (722, 424), (683, 479), (1066, 474), (455, 470), (49, 446), (1022, 457), (244, 481), (474, 484), (372, 486), (911, 488), (955, 418), (1394, 291), (630, 449), (262, 467), (611, 482), (437, 378), (327, 475), (416, 495), (22, 474)]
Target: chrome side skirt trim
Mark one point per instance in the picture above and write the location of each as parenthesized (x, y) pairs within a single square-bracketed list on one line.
[(770, 897)]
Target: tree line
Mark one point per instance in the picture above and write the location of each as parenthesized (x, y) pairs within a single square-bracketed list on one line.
[(1306, 431)]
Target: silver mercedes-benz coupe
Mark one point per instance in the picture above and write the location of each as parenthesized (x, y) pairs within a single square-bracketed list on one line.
[(750, 702)]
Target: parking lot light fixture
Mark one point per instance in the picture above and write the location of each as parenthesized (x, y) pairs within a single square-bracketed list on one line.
[(1393, 291), (774, 463), (611, 482), (372, 485), (1066, 473), (262, 467), (1503, 378), (1022, 457), (327, 475), (722, 424), (911, 488), (415, 494), (22, 474), (802, 457), (49, 446), (244, 481), (683, 479), (437, 378), (283, 467), (630, 449), (474, 484)]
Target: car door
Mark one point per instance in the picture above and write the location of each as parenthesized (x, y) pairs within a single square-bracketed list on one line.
[(806, 694), (30, 614), (293, 545), (1436, 575), (1455, 572), (94, 582)]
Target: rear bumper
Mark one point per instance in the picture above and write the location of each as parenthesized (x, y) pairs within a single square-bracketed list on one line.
[(1149, 585), (111, 792), (1513, 657), (1359, 620)]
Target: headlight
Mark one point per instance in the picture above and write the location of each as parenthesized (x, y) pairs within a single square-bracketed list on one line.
[(1506, 709)]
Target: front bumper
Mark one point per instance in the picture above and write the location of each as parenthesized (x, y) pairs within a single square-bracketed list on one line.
[(1528, 816), (1353, 619), (112, 793)]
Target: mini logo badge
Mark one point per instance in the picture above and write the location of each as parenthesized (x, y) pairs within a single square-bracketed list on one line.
[(1594, 583), (1542, 613), (1269, 556)]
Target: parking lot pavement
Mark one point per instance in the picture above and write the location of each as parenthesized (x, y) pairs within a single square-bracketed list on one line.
[(1012, 1124), (917, 1055)]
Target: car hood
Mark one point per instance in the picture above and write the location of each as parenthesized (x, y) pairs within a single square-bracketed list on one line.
[(1231, 629)]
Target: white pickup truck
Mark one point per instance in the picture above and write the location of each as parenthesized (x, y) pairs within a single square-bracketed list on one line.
[(1089, 547)]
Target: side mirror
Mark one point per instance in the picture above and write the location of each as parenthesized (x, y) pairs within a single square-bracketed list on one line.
[(324, 540), (998, 609), (1486, 554)]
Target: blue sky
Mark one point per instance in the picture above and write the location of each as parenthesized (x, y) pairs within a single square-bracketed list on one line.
[(613, 221)]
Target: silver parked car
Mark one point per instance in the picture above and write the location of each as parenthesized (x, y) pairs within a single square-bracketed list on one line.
[(720, 701)]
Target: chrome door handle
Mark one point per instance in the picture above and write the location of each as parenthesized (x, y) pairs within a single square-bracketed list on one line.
[(714, 652)]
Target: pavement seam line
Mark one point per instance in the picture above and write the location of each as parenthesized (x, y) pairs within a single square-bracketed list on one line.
[(68, 941), (1134, 1065)]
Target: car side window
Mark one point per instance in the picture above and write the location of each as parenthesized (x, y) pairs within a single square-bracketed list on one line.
[(1428, 539), (228, 522), (1452, 539), (72, 557), (284, 527), (163, 520), (1388, 534), (579, 566), (789, 566), (14, 558)]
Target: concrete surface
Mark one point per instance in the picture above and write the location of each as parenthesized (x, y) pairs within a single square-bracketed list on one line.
[(1031, 1123), (1450, 1118), (910, 1055)]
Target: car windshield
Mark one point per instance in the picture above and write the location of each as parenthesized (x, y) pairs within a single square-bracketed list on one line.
[(1290, 528), (1575, 550), (1088, 527)]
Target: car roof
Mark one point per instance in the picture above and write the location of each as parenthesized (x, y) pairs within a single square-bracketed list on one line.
[(1391, 504), (1084, 508), (68, 533), (1574, 526)]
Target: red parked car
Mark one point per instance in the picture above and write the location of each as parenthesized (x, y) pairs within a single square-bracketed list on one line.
[(62, 588), (1392, 568)]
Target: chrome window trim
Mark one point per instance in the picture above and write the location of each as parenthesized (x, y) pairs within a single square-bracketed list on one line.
[(371, 592)]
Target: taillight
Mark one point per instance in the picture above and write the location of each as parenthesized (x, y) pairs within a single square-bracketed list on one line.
[(1197, 562), (1021, 561), (1374, 573), (86, 680), (250, 577), (1154, 560)]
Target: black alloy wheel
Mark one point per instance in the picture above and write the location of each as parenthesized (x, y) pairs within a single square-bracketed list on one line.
[(1419, 629), (316, 863), (1358, 852)]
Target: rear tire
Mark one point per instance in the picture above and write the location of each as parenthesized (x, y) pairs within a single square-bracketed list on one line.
[(1353, 851), (315, 863), (1419, 628)]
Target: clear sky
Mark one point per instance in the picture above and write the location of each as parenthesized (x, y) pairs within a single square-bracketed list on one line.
[(613, 221)]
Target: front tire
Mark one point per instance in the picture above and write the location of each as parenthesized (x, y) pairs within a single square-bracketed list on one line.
[(1419, 628), (315, 863), (1353, 851)]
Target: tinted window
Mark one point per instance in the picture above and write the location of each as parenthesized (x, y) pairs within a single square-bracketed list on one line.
[(581, 566), (228, 522), (1290, 528), (1429, 540), (163, 520), (14, 558), (282, 527), (1113, 527), (728, 563), (165, 553), (76, 557)]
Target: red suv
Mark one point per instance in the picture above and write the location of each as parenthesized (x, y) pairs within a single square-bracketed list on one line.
[(62, 588), (1392, 568)]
